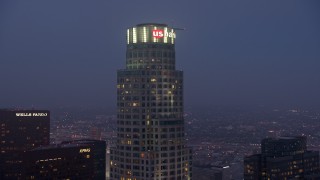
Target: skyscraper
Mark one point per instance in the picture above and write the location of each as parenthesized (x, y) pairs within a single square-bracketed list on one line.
[(150, 133), (21, 130), (283, 158), (79, 159)]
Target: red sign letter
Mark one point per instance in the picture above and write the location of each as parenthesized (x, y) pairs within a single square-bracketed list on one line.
[(157, 33)]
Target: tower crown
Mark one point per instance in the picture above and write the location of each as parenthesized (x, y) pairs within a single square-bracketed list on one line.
[(151, 33)]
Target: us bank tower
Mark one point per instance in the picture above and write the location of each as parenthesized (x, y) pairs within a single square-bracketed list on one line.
[(150, 134)]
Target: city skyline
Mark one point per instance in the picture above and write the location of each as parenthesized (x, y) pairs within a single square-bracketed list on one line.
[(240, 72), (260, 53)]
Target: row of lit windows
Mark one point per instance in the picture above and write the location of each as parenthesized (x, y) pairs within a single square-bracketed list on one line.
[(176, 79), (153, 115), (143, 122), (163, 173), (149, 92), (133, 106), (175, 155), (161, 107), (139, 148), (153, 67), (156, 136), (178, 129), (51, 159), (136, 159), (137, 174), (163, 115), (125, 113), (150, 98), (150, 86), (150, 46), (147, 122), (151, 104), (155, 107), (150, 115), (152, 92), (150, 54), (156, 62), (150, 142), (150, 67), (126, 101)]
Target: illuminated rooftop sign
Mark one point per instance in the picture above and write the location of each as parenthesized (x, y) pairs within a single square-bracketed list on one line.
[(84, 150), (158, 33), (31, 114), (151, 33)]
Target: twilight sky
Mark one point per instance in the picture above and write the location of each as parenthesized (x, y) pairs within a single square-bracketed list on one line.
[(248, 52)]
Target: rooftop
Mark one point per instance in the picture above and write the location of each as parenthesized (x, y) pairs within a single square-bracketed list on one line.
[(151, 24)]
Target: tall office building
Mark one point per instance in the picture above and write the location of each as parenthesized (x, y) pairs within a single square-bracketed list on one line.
[(150, 139), (283, 158), (21, 130), (80, 159)]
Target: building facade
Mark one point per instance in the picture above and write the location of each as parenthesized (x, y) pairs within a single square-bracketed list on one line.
[(150, 133), (283, 158), (21, 130), (81, 159)]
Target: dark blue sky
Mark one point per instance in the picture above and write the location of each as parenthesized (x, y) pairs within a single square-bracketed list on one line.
[(66, 52)]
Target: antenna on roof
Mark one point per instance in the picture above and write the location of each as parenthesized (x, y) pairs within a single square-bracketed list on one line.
[(179, 29)]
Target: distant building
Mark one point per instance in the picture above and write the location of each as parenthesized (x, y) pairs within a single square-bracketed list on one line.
[(21, 130), (82, 159), (95, 133), (283, 158)]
